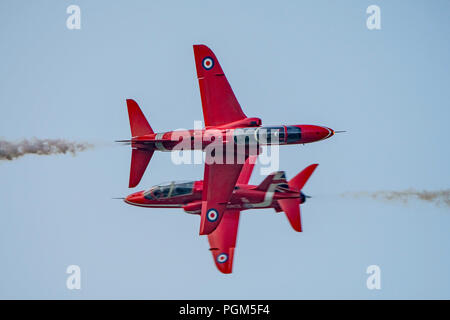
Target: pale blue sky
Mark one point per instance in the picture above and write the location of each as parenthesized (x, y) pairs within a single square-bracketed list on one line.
[(289, 62)]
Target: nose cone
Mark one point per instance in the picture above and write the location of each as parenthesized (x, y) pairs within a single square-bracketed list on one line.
[(312, 133), (135, 198)]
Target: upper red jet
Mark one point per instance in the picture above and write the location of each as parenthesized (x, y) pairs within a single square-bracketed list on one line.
[(225, 120)]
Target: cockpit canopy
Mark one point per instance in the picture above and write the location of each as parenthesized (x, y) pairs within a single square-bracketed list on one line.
[(169, 190), (267, 135)]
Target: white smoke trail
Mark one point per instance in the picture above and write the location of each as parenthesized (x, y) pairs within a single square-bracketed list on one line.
[(436, 197), (14, 150)]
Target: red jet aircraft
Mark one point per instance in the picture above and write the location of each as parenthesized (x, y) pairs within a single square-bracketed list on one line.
[(222, 113), (273, 192)]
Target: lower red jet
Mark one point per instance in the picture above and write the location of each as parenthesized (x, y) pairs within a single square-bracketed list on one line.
[(273, 192)]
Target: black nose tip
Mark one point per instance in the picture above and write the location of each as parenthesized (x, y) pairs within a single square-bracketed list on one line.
[(302, 197)]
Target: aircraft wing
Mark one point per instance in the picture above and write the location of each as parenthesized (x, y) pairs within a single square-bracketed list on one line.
[(219, 181), (219, 104), (222, 241)]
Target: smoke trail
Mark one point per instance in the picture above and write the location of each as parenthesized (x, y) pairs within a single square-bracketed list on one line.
[(13, 150), (437, 197)]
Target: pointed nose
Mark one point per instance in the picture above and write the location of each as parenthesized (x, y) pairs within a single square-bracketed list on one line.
[(312, 133), (134, 198), (324, 132)]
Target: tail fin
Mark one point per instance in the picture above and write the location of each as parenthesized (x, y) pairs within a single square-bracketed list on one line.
[(139, 162), (138, 124), (277, 177), (291, 207), (300, 179), (139, 157)]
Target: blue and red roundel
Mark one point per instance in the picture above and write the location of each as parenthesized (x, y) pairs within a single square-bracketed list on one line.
[(208, 63), (212, 215), (222, 258)]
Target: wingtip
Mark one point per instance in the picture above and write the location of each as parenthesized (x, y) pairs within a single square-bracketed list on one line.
[(197, 45)]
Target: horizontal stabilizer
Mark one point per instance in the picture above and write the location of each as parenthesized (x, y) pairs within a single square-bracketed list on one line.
[(139, 162), (291, 208)]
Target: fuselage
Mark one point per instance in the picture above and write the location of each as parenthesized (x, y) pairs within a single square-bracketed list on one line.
[(188, 195), (236, 136)]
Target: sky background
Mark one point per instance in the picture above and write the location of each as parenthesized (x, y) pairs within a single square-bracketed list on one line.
[(289, 62)]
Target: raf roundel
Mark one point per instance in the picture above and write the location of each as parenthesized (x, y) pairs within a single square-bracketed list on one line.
[(212, 215), (208, 63), (222, 258)]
